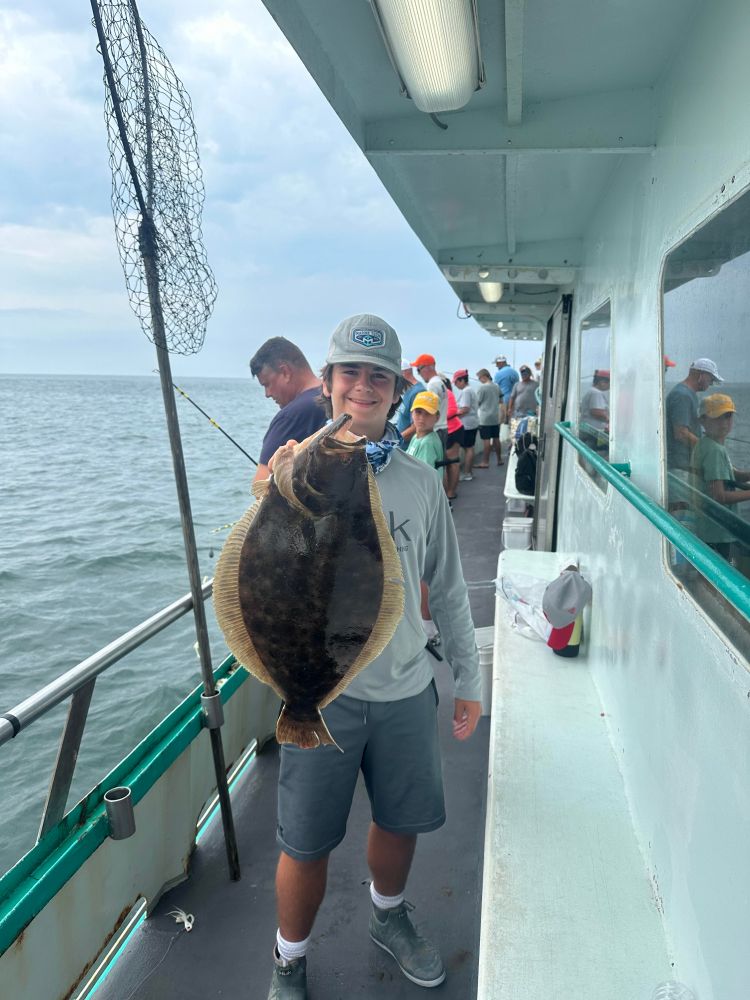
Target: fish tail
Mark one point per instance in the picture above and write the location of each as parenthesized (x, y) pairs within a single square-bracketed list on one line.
[(307, 733)]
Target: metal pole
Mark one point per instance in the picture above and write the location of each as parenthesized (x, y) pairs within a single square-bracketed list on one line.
[(149, 249), (191, 555)]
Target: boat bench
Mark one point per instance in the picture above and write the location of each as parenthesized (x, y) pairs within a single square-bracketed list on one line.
[(568, 911)]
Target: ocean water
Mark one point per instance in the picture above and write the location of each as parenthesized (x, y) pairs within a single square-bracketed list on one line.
[(91, 545)]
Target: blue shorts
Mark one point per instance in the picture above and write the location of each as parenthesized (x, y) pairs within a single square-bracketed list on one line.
[(394, 743)]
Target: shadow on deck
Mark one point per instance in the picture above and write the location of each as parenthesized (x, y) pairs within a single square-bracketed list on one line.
[(228, 953)]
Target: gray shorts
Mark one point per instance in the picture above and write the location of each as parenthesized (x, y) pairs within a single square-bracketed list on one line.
[(394, 743)]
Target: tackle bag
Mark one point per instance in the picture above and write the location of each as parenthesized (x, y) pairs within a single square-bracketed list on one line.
[(526, 449)]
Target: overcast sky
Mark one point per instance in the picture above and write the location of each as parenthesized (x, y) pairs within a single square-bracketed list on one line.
[(299, 231)]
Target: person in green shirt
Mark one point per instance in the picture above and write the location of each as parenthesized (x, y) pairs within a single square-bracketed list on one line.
[(426, 444), (717, 478)]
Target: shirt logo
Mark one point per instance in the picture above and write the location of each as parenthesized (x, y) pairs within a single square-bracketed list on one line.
[(368, 338), (398, 527)]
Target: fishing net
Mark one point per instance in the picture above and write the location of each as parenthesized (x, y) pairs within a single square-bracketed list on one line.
[(157, 182)]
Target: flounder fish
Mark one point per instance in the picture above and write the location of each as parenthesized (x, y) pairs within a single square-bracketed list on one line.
[(309, 588)]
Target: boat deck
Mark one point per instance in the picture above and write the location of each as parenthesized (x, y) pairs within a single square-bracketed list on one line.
[(228, 953)]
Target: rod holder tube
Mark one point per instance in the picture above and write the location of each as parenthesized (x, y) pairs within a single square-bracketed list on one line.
[(213, 710), (119, 804)]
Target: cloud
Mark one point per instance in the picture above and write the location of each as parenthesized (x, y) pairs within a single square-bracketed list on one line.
[(298, 227), (66, 268)]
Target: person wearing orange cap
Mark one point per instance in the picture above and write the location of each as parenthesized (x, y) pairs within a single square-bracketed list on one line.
[(718, 479), (424, 366)]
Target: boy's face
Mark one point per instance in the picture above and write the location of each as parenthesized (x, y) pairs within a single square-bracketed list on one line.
[(424, 421), (367, 392), (718, 428)]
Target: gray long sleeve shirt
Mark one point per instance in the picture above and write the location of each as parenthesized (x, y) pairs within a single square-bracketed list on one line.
[(419, 519)]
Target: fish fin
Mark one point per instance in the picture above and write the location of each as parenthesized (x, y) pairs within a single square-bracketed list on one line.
[(391, 604), (260, 488), (308, 735), (227, 603)]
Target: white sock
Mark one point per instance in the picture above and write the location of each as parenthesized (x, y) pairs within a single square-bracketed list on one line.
[(385, 902), (289, 951)]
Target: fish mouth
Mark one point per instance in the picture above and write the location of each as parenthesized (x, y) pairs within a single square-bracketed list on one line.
[(328, 436)]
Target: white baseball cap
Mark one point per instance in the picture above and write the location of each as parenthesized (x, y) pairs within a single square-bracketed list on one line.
[(706, 365)]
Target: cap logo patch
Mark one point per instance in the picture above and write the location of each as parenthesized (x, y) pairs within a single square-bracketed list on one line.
[(368, 338)]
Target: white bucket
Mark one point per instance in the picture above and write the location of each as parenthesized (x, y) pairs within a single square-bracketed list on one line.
[(517, 532), (485, 666), (517, 507)]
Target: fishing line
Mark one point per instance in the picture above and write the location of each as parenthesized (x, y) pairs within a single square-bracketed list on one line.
[(212, 421)]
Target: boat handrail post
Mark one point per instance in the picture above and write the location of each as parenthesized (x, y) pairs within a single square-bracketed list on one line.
[(67, 755)]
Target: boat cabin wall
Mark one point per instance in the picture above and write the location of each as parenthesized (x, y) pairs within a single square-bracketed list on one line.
[(676, 694)]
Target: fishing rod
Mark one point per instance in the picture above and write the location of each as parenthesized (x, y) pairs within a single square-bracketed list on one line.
[(212, 421)]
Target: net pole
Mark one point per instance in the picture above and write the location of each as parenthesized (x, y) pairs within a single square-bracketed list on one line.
[(148, 245), (188, 534)]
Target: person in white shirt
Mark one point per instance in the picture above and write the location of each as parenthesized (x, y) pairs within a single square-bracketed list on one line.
[(466, 398)]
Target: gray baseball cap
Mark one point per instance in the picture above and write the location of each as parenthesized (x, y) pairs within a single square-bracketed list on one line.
[(565, 598), (365, 339)]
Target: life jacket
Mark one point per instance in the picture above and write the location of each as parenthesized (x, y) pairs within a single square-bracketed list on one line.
[(526, 450)]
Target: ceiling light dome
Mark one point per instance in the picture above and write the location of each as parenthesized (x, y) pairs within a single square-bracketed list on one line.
[(491, 291), (434, 48)]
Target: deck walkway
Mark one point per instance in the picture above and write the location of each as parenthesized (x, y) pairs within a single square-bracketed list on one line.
[(228, 953)]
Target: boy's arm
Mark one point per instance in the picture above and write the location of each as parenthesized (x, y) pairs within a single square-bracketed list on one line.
[(721, 494), (449, 602)]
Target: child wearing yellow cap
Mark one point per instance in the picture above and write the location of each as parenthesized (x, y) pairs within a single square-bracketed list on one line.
[(718, 479), (426, 444)]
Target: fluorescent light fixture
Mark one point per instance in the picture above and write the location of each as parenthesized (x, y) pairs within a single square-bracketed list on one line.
[(434, 48), (491, 291)]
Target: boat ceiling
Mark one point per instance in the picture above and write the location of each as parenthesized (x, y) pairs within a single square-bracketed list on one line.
[(511, 184)]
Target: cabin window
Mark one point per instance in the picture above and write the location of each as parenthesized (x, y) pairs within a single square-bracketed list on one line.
[(593, 388), (706, 310)]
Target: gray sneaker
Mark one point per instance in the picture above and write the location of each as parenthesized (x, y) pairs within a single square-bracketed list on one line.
[(417, 958), (289, 981)]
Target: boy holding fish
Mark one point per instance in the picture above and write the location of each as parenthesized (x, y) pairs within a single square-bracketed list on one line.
[(386, 720)]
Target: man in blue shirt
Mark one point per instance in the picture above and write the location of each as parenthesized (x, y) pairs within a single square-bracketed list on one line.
[(505, 378), (403, 419), (283, 371)]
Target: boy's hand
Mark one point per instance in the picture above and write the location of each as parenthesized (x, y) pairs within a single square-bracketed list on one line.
[(465, 718)]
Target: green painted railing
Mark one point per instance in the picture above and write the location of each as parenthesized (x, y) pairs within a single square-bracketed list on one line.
[(34, 880), (728, 581)]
